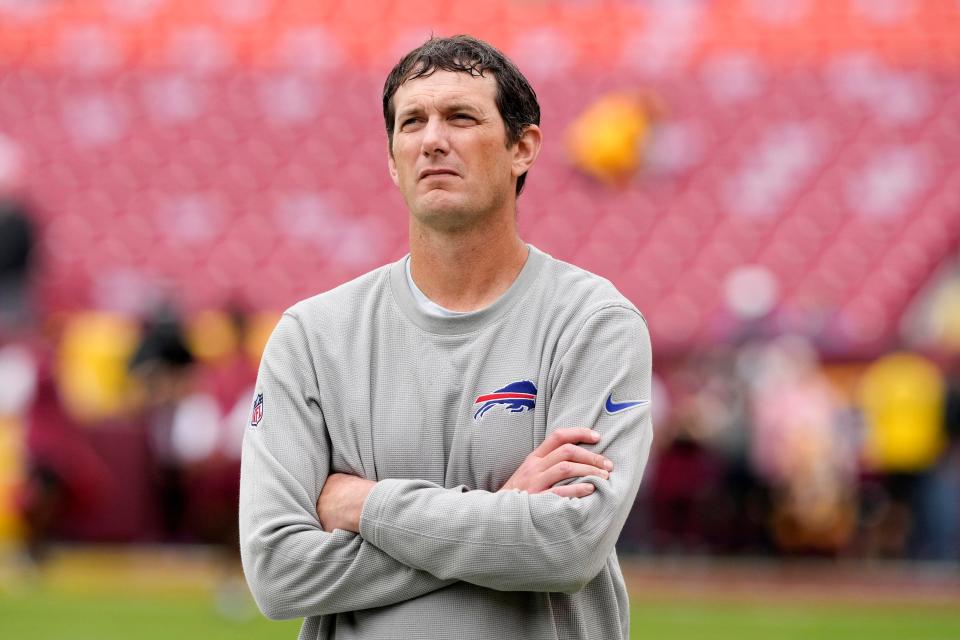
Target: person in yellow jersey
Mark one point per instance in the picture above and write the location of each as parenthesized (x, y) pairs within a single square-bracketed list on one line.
[(608, 141), (901, 396)]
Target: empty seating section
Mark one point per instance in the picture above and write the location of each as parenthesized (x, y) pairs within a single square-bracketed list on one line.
[(264, 179)]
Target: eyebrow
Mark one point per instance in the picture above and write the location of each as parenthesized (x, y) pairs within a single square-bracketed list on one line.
[(449, 108), (461, 106)]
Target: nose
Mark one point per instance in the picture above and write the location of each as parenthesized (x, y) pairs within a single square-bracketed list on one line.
[(434, 138)]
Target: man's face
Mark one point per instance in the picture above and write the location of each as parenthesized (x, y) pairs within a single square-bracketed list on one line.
[(449, 155)]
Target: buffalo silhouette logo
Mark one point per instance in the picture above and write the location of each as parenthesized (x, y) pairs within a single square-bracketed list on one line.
[(516, 397)]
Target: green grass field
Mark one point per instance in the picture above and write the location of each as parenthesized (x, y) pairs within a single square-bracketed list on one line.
[(51, 615), (100, 599)]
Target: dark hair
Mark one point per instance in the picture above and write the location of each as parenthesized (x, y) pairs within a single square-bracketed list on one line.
[(516, 99)]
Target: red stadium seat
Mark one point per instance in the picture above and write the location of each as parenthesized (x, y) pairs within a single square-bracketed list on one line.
[(110, 151)]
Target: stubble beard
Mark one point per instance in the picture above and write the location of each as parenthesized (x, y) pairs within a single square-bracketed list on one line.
[(457, 218)]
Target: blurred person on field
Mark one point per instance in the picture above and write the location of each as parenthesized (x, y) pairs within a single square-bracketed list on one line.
[(682, 474), (739, 499), (207, 433), (449, 446), (65, 478), (208, 424), (702, 494), (938, 509), (18, 237), (945, 538), (902, 397), (800, 448), (162, 365)]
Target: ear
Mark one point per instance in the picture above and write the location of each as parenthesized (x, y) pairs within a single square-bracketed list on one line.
[(392, 167), (526, 150)]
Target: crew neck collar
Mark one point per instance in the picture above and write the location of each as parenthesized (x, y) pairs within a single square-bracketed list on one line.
[(467, 322)]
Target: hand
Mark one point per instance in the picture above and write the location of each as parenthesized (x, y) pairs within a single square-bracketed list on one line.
[(559, 458), (341, 502)]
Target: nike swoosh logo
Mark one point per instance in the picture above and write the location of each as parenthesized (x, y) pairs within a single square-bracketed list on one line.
[(617, 407)]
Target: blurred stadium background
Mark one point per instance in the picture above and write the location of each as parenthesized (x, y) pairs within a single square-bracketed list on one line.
[(774, 183)]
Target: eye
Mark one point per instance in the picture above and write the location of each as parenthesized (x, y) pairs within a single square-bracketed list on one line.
[(406, 123), (463, 117)]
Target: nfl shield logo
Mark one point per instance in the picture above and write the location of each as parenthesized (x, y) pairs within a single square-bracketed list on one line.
[(257, 410)]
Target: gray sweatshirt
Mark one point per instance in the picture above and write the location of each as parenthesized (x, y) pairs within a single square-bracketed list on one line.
[(441, 412)]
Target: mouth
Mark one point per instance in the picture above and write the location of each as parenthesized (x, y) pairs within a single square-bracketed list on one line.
[(426, 173)]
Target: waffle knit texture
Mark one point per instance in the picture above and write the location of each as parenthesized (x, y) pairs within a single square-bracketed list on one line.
[(360, 380)]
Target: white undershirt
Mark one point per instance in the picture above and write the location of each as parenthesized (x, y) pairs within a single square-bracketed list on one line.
[(427, 305)]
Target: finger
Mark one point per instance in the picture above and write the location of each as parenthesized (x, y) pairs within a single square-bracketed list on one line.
[(579, 490), (565, 470), (563, 436), (575, 453)]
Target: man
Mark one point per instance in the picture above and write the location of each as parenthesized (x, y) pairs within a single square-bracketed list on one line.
[(18, 237), (448, 446)]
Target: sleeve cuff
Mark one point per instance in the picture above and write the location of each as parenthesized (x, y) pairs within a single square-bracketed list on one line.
[(379, 499), (373, 507)]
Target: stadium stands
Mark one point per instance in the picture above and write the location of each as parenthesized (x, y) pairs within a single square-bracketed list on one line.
[(801, 174), (226, 150)]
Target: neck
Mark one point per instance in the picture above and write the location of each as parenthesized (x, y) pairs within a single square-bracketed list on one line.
[(469, 269)]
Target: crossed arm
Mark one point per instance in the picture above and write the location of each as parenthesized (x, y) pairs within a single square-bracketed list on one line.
[(557, 459)]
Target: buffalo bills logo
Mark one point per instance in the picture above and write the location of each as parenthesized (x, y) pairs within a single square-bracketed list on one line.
[(516, 397), (257, 415)]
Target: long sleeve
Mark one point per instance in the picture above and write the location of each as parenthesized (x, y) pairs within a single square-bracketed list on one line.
[(514, 541), (293, 567)]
